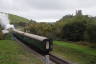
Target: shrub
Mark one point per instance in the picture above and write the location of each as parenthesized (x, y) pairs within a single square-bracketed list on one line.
[(1, 35), (91, 31), (74, 31)]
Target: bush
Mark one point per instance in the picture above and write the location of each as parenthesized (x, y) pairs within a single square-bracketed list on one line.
[(91, 31), (74, 31), (1, 35)]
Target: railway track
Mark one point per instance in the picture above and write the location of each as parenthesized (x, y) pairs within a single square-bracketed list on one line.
[(57, 60)]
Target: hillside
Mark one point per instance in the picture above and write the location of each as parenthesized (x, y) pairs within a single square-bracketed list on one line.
[(14, 18)]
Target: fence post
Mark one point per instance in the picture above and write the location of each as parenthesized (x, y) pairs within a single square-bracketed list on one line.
[(46, 59)]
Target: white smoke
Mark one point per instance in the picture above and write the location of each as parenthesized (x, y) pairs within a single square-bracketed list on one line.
[(4, 21)]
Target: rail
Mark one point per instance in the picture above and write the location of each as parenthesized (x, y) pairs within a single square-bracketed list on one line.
[(57, 60)]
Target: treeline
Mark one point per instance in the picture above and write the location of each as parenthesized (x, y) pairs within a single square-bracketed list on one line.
[(70, 28), (80, 28)]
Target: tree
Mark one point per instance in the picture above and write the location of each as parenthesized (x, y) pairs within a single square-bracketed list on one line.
[(1, 34), (91, 31), (74, 30)]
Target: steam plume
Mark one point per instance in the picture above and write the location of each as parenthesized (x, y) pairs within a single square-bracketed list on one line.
[(4, 21)]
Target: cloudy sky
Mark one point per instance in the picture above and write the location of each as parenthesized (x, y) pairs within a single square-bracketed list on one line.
[(47, 10)]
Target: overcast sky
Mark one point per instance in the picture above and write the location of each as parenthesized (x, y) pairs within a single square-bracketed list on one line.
[(47, 10)]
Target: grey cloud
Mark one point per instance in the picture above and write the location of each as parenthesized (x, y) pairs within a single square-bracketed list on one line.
[(47, 9), (45, 4), (61, 4)]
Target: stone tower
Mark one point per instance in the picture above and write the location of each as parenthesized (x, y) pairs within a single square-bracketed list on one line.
[(78, 12)]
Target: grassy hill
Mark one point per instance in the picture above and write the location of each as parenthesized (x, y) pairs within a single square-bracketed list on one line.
[(14, 18), (13, 53), (18, 21)]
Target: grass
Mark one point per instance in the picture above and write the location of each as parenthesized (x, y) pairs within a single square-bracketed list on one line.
[(13, 53), (76, 53), (16, 19)]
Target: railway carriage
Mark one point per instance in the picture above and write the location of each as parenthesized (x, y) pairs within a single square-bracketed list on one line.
[(40, 44)]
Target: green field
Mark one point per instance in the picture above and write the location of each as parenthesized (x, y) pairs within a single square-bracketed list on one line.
[(13, 53), (75, 53)]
